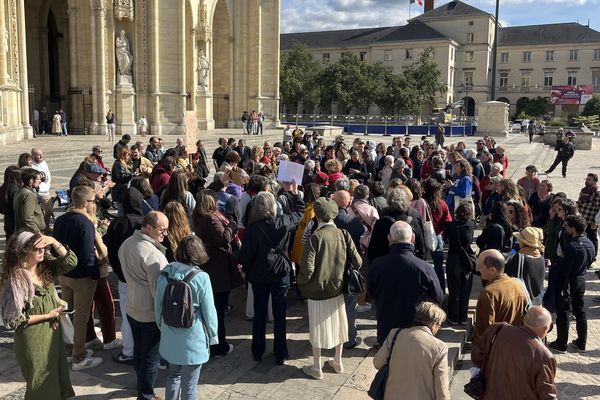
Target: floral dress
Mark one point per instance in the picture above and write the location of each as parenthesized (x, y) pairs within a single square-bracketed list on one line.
[(40, 350)]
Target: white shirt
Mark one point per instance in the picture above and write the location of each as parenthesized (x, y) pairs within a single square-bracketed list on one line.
[(43, 167)]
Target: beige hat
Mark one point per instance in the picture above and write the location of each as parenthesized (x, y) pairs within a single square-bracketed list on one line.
[(530, 237), (325, 208)]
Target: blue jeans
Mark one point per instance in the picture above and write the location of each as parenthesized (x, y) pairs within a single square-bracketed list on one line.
[(146, 338), (351, 301), (438, 261), (182, 382), (278, 291)]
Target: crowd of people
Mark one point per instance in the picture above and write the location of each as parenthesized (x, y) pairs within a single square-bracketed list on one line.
[(181, 231)]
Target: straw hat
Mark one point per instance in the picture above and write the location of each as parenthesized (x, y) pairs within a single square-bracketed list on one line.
[(530, 237)]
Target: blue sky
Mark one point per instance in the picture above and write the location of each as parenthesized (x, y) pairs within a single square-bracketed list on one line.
[(315, 15)]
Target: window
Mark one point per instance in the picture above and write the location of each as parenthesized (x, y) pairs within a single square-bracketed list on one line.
[(573, 54), (596, 54), (451, 53), (548, 79), (596, 78), (469, 56), (503, 81), (503, 58), (468, 81), (572, 78), (470, 23), (525, 82), (451, 76), (550, 55), (470, 37), (363, 56), (325, 58), (408, 54), (387, 55), (526, 56)]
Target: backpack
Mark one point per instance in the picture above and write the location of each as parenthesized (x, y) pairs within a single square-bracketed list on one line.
[(178, 303)]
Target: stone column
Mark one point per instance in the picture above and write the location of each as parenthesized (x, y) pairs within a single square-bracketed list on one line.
[(182, 66), (153, 69), (3, 49), (27, 129), (99, 73)]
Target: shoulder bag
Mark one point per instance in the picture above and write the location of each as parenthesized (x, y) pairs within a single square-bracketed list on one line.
[(354, 283), (429, 231), (476, 386), (377, 389)]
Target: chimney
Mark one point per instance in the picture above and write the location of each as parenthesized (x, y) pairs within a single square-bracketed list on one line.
[(428, 6)]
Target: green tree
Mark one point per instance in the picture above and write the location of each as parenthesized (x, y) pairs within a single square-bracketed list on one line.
[(298, 77), (423, 83), (536, 107), (394, 96), (592, 107)]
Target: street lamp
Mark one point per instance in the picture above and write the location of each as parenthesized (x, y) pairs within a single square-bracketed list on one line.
[(494, 53)]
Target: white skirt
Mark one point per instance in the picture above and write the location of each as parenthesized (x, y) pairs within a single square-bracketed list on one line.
[(327, 322)]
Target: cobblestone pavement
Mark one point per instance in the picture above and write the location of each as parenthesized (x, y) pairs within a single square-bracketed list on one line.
[(238, 376)]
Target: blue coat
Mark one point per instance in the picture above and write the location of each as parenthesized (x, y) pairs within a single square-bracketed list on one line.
[(187, 346), (463, 187)]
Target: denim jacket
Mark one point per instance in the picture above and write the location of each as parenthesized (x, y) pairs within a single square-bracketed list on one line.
[(187, 346)]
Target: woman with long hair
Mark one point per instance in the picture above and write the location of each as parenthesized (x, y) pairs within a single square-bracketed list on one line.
[(179, 227), (440, 216), (518, 215), (150, 201), (177, 190), (462, 188), (11, 185), (30, 305), (218, 234), (186, 349), (122, 173)]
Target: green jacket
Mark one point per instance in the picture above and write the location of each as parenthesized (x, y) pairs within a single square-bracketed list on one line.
[(321, 274), (28, 213)]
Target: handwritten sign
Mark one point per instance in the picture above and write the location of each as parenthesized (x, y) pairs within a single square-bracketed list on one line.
[(290, 172)]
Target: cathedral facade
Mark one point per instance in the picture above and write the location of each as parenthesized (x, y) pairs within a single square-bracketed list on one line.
[(162, 60)]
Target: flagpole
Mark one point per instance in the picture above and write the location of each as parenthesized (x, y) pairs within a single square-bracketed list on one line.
[(409, 3)]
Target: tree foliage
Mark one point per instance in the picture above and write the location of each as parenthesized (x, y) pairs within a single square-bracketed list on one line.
[(531, 107), (592, 107), (298, 76), (423, 83)]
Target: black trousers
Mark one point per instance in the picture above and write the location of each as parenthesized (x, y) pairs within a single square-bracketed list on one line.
[(557, 161), (562, 314), (278, 292), (221, 303), (459, 290)]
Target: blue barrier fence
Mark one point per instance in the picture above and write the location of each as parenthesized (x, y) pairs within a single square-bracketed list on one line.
[(460, 130)]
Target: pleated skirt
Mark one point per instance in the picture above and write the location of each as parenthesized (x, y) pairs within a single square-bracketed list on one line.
[(327, 322)]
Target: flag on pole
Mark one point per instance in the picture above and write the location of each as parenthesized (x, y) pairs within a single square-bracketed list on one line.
[(417, 1)]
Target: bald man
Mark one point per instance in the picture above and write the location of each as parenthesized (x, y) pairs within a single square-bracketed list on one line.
[(503, 299), (44, 198), (356, 229), (519, 365)]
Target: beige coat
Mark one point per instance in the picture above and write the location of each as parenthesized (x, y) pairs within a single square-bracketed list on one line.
[(418, 367)]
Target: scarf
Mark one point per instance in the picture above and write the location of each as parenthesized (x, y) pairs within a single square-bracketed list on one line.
[(586, 193), (531, 251)]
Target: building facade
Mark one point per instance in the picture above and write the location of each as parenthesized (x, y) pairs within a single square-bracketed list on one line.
[(530, 59), (158, 59)]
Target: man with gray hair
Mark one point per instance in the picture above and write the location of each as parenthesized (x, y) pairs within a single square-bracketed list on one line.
[(503, 299), (519, 366), (397, 210), (399, 281)]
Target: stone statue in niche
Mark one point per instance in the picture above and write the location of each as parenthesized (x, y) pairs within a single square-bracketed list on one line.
[(124, 56), (203, 69)]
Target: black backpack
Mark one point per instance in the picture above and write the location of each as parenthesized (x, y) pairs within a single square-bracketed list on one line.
[(178, 302)]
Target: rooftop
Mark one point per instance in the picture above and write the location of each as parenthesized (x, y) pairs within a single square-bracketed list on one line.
[(453, 9), (570, 32)]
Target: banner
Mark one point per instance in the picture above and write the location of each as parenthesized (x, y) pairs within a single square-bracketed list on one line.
[(571, 94)]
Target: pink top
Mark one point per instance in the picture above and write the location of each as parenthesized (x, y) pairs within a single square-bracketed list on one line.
[(368, 215)]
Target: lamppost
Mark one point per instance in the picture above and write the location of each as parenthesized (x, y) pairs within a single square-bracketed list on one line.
[(494, 53)]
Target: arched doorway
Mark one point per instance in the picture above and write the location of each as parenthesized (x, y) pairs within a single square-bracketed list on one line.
[(469, 106), (504, 100), (48, 58), (221, 64)]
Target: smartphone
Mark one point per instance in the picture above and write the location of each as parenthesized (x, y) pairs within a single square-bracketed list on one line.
[(67, 311)]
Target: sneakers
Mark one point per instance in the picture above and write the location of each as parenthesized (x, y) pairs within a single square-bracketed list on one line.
[(338, 368), (228, 351), (578, 347), (94, 344), (361, 308), (113, 345), (314, 373), (122, 358), (89, 353), (87, 362), (557, 348)]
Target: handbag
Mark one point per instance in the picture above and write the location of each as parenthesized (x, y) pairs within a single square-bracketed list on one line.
[(64, 321), (354, 283), (377, 388), (475, 388), (429, 234)]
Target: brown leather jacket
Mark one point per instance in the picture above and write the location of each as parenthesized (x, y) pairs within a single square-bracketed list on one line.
[(519, 366)]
